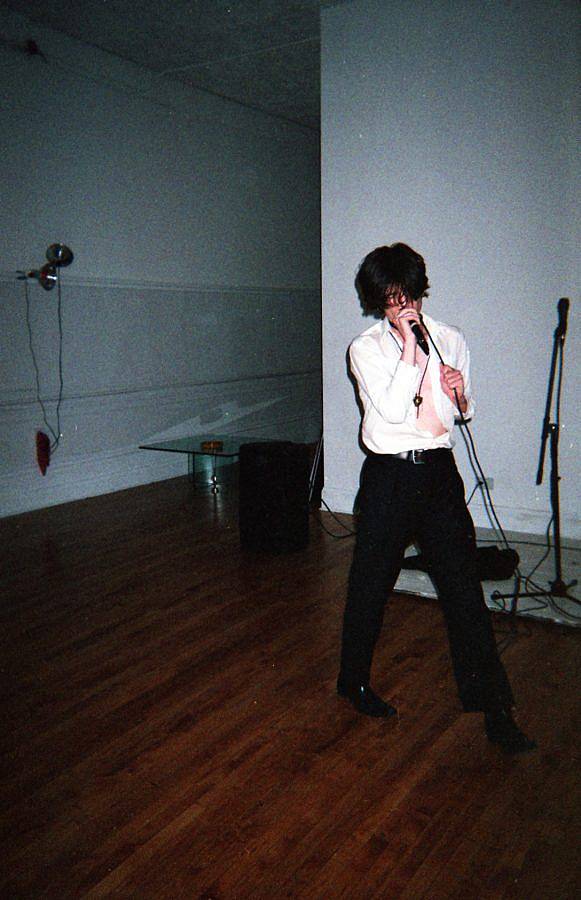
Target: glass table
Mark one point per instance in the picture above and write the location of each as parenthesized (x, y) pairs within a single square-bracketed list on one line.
[(193, 447)]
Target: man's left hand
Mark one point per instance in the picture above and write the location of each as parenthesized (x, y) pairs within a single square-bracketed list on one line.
[(451, 379)]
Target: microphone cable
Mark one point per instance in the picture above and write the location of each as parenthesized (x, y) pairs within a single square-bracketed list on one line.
[(474, 462), (471, 449), (338, 537), (519, 577), (511, 635), (56, 434)]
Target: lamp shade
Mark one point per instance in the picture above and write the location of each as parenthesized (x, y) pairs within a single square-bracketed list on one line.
[(59, 255), (47, 276)]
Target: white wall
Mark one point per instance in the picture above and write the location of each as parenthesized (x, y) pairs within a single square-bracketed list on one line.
[(193, 302), (451, 126)]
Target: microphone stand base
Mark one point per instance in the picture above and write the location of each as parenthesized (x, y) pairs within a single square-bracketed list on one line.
[(557, 589), (560, 589)]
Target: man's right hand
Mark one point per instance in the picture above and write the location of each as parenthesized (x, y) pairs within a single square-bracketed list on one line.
[(404, 321)]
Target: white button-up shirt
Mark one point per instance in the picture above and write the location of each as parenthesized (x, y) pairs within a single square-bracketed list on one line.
[(387, 386)]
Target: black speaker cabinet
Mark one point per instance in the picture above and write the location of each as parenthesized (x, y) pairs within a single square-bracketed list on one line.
[(274, 496)]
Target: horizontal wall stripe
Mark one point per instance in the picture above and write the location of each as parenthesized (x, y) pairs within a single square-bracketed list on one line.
[(71, 281), (28, 398)]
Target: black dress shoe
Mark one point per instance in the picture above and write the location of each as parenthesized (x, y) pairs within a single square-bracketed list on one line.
[(501, 729), (366, 701)]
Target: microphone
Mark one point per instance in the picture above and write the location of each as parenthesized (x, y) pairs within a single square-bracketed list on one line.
[(419, 335), (563, 311)]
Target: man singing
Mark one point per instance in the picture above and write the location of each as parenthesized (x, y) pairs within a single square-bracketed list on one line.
[(411, 490)]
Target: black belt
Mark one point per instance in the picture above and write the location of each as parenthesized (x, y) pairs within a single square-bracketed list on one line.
[(418, 457)]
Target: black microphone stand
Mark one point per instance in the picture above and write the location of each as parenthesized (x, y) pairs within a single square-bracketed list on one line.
[(550, 432)]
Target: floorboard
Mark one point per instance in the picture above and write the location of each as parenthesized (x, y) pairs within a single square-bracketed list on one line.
[(171, 729)]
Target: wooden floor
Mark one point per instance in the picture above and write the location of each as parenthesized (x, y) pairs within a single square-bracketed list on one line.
[(170, 726)]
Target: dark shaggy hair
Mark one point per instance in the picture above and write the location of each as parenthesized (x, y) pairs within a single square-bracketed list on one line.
[(389, 268)]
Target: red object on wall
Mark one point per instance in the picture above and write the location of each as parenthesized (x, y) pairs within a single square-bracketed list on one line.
[(42, 451)]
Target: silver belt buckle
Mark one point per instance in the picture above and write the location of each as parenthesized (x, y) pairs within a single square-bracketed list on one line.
[(417, 460)]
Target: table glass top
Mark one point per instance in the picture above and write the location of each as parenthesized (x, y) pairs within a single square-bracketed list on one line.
[(230, 444)]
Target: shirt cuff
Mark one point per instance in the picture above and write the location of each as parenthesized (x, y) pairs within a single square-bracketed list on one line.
[(469, 411)]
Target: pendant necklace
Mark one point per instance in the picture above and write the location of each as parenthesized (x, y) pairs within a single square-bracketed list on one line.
[(418, 399)]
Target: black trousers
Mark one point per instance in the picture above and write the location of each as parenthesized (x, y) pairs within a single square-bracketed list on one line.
[(399, 502)]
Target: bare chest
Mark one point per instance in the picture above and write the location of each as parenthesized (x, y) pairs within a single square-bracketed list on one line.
[(427, 417)]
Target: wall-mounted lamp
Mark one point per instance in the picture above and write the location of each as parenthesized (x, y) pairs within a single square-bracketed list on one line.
[(47, 277), (58, 255)]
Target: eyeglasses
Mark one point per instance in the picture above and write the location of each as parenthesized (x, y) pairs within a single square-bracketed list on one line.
[(398, 298)]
